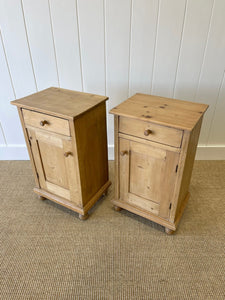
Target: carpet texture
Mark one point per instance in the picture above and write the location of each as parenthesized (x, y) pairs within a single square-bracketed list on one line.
[(48, 253)]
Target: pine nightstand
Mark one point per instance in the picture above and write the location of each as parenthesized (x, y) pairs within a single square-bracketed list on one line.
[(65, 133), (155, 145)]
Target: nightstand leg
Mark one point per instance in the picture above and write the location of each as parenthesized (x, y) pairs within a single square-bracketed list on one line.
[(41, 197), (83, 217), (117, 208), (168, 231)]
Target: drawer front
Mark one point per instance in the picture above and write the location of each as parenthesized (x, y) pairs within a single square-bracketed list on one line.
[(46, 122), (152, 132)]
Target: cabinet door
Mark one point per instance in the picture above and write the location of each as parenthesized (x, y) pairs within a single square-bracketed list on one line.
[(56, 169), (147, 176)]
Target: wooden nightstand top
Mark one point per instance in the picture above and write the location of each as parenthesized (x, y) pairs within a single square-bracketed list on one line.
[(60, 102), (160, 110)]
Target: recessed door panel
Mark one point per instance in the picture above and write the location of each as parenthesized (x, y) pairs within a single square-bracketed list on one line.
[(55, 164), (146, 170), (147, 176)]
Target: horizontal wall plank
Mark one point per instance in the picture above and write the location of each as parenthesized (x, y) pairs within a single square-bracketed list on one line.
[(65, 31), (41, 42)]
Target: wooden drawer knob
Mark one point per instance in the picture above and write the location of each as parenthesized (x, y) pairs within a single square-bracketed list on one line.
[(122, 153), (66, 154), (147, 132), (43, 123)]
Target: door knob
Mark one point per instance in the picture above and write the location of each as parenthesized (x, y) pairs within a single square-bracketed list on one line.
[(66, 154), (147, 132), (124, 152), (43, 123)]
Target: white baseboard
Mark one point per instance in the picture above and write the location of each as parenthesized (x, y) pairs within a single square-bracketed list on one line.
[(111, 152), (13, 152), (212, 152), (19, 152)]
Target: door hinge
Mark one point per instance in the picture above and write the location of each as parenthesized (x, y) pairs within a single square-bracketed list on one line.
[(170, 206), (176, 168), (29, 142), (37, 175)]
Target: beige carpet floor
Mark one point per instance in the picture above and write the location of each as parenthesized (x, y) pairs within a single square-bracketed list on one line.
[(48, 253)]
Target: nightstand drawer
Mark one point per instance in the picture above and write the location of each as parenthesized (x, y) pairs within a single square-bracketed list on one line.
[(46, 122), (150, 131)]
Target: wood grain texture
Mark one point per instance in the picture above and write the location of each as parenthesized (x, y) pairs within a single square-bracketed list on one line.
[(147, 176), (189, 162), (57, 171), (144, 214), (90, 130), (53, 161), (123, 169), (180, 170), (156, 133), (148, 142), (46, 122), (160, 110), (69, 157), (97, 195), (59, 200), (60, 102), (76, 180), (26, 136), (143, 203), (152, 178), (71, 169), (142, 179), (37, 158), (167, 180), (58, 190)]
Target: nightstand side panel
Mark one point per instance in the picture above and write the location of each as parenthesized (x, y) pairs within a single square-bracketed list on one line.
[(91, 137), (188, 166)]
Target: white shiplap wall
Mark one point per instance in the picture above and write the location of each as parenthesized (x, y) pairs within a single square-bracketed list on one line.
[(173, 48)]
